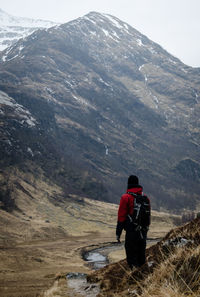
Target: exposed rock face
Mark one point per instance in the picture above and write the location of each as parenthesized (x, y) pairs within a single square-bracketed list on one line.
[(100, 101)]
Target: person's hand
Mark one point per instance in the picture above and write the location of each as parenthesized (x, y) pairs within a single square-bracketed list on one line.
[(118, 239)]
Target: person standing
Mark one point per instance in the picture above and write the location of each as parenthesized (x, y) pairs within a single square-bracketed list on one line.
[(134, 217)]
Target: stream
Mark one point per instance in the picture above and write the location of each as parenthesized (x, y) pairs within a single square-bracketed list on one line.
[(96, 258)]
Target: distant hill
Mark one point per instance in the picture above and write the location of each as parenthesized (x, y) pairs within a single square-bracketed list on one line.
[(13, 28), (93, 100)]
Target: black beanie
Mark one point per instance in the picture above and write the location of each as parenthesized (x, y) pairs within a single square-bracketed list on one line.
[(133, 180)]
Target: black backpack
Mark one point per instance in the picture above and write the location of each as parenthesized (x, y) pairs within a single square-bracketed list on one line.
[(140, 219)]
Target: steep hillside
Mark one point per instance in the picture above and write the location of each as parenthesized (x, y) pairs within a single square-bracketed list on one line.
[(172, 268), (92, 101)]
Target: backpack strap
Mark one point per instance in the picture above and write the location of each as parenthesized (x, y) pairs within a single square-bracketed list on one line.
[(134, 195), (129, 216)]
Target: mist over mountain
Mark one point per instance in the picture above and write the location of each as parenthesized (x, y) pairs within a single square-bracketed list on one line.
[(13, 28), (92, 101)]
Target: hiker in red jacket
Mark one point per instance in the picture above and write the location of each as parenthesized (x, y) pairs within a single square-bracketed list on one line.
[(134, 218)]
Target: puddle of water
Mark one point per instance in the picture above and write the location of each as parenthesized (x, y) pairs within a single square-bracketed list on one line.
[(78, 282), (95, 256), (96, 260)]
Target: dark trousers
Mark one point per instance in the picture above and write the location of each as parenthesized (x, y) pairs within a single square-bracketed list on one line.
[(135, 246)]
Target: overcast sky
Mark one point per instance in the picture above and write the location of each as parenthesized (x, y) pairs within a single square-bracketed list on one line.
[(174, 24)]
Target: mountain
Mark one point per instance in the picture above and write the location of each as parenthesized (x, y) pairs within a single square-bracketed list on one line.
[(93, 100), (13, 28)]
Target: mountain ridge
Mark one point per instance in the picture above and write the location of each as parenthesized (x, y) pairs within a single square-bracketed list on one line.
[(110, 100)]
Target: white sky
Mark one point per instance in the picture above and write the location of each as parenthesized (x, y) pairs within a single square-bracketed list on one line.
[(174, 24)]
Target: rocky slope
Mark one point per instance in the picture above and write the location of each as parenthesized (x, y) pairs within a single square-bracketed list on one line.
[(13, 28), (93, 100)]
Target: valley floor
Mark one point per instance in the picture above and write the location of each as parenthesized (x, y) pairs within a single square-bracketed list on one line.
[(43, 238), (30, 266)]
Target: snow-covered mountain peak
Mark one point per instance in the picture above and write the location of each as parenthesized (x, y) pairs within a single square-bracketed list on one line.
[(13, 28), (101, 25)]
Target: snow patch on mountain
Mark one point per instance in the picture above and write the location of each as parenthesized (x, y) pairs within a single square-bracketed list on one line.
[(23, 115), (83, 102), (9, 54), (106, 32), (114, 21), (139, 42)]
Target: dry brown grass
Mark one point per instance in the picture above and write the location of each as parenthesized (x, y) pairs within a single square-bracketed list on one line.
[(178, 275), (172, 269)]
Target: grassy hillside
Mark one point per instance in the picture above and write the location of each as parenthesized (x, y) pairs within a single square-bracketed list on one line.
[(41, 205), (172, 268)]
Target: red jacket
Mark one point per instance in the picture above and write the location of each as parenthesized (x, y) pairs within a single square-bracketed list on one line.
[(127, 203), (126, 207)]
